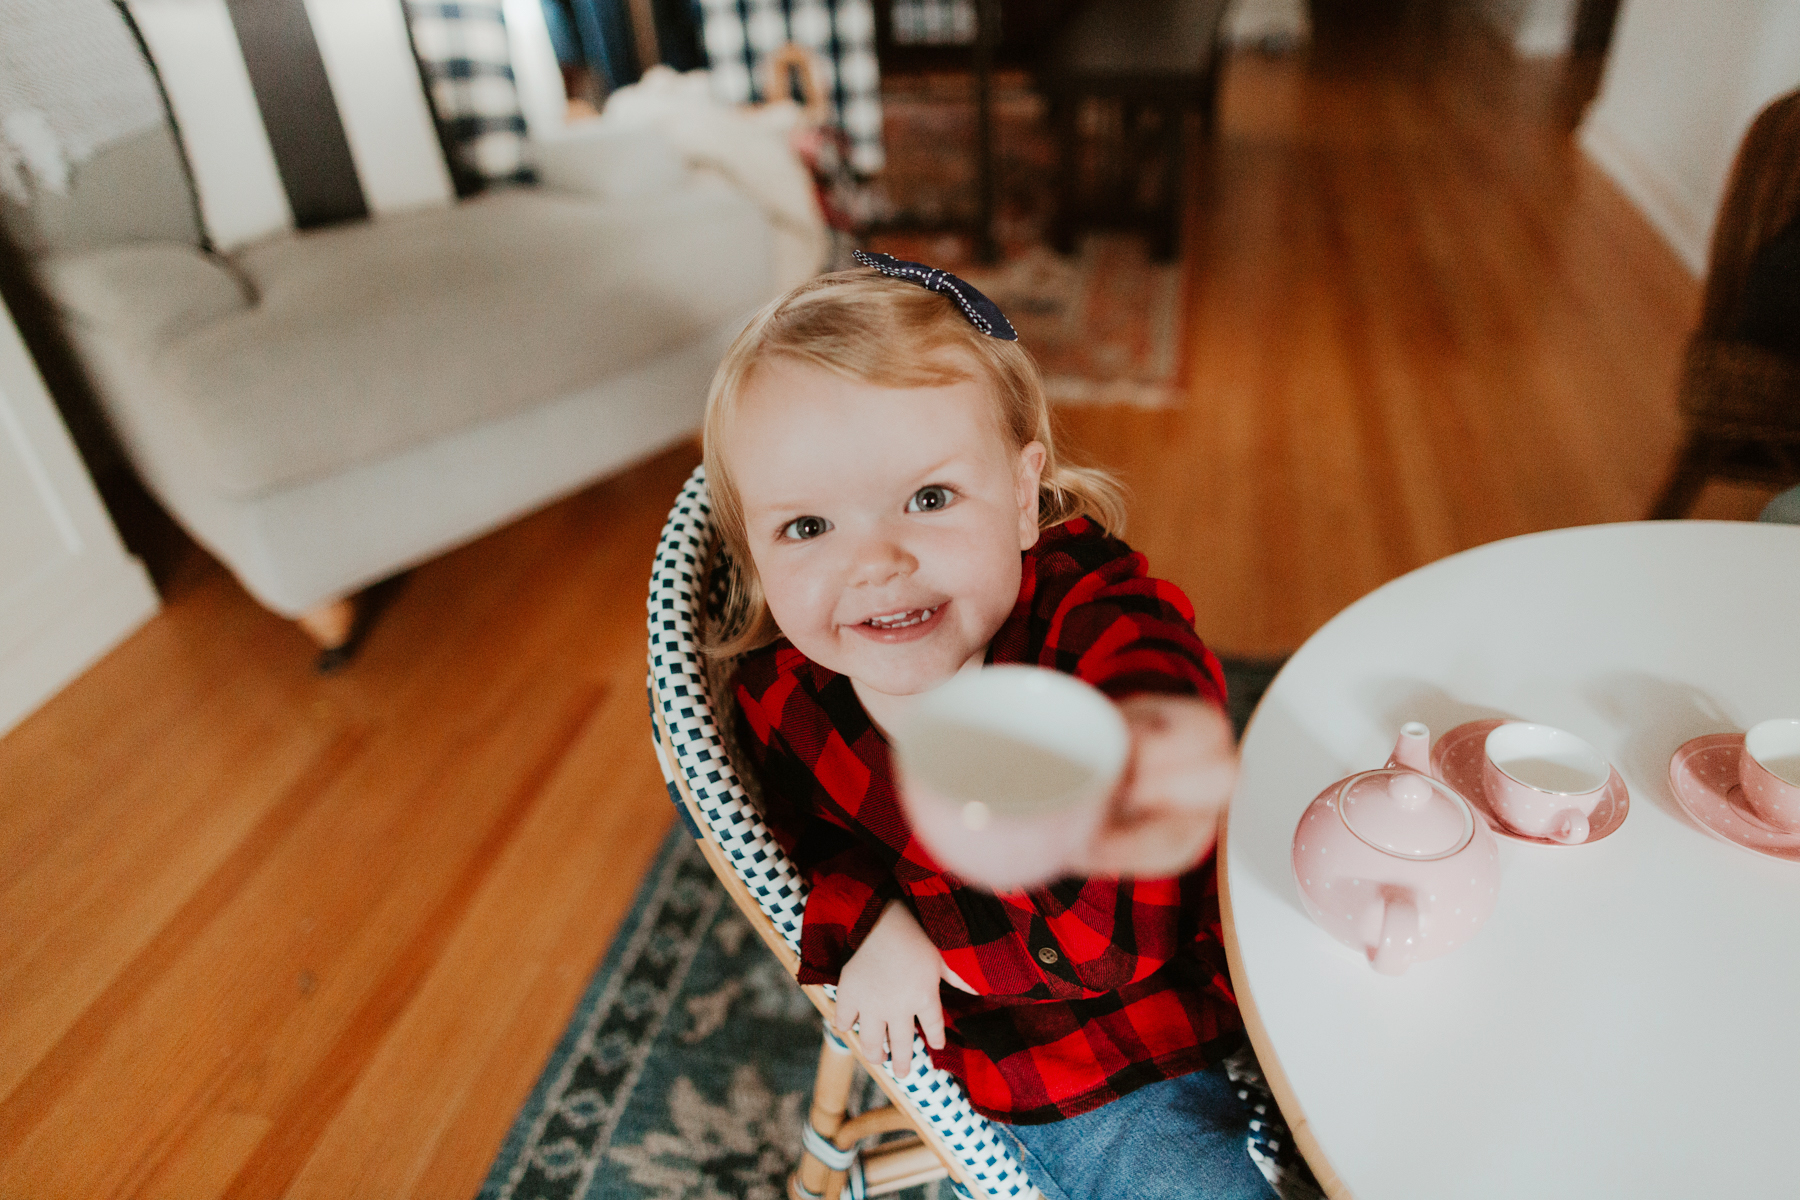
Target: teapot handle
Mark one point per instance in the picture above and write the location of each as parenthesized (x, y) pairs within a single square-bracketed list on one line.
[(1393, 950)]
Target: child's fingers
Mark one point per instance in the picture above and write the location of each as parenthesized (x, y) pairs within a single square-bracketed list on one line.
[(900, 1050), (843, 1017), (931, 1024), (1151, 847), (954, 980), (873, 1037)]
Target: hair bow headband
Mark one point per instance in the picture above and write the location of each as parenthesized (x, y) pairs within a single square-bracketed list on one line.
[(983, 313)]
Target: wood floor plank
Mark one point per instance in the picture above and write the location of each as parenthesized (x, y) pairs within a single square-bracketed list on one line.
[(333, 902), (442, 1051), (217, 1148), (107, 736), (116, 949), (297, 1127)]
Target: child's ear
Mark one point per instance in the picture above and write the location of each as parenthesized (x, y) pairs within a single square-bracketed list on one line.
[(1031, 472)]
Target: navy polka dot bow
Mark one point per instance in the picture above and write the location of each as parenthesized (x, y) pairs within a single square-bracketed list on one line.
[(983, 313)]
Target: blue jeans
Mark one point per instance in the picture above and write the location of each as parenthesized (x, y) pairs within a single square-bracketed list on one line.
[(1181, 1139)]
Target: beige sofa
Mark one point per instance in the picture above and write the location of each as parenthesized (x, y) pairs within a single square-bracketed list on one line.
[(323, 409)]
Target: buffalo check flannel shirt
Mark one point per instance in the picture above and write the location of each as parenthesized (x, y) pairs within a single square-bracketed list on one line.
[(1089, 988)]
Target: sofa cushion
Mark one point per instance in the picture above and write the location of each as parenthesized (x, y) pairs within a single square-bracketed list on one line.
[(142, 296), (368, 339)]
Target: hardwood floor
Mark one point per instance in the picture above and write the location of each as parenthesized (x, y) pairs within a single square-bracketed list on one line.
[(265, 933)]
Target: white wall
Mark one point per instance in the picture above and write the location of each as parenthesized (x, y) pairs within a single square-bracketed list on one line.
[(68, 590), (1683, 80)]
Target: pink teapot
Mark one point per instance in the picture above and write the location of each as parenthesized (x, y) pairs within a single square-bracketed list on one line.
[(1394, 863)]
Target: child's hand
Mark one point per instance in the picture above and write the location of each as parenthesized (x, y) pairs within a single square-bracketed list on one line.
[(1165, 816), (889, 983)]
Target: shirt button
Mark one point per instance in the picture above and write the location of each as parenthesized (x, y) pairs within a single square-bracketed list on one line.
[(1047, 956)]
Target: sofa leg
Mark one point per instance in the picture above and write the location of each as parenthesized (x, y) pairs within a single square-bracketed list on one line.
[(341, 626), (330, 625)]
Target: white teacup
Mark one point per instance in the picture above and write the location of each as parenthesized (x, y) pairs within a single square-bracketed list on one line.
[(1005, 772), (1769, 771), (1543, 782)]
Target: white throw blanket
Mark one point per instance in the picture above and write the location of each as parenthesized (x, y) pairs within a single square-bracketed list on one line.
[(750, 146), (71, 80)]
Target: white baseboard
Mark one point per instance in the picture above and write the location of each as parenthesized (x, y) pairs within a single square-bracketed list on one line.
[(1682, 223), (120, 601)]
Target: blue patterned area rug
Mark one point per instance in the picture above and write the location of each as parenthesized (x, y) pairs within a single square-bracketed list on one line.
[(686, 1071)]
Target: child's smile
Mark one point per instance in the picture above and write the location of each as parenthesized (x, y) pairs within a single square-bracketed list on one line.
[(885, 523), (893, 626)]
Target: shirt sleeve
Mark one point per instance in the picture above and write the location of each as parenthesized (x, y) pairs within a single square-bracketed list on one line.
[(849, 882), (1127, 633)]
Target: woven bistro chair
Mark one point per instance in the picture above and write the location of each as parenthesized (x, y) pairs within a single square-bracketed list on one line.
[(1741, 400), (689, 703)]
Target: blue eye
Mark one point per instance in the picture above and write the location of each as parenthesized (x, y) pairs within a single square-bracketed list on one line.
[(930, 498), (802, 529)]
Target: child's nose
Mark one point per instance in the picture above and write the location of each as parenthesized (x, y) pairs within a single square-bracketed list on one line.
[(881, 558)]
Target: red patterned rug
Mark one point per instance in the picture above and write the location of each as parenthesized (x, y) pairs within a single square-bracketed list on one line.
[(1106, 323)]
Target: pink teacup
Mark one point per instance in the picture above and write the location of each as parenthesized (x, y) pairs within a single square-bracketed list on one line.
[(1005, 773), (1769, 772), (1543, 782)]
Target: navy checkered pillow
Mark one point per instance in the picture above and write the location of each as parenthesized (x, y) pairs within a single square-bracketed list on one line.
[(467, 63), (741, 34), (933, 22)]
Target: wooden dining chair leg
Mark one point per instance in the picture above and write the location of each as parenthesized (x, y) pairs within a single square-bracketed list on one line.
[(1209, 103), (1169, 216), (1686, 478), (1065, 117), (814, 1178)]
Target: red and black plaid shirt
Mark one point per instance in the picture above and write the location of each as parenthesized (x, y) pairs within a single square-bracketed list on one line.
[(1090, 988)]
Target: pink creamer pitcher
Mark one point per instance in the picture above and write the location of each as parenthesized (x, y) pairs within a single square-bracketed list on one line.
[(1394, 863)]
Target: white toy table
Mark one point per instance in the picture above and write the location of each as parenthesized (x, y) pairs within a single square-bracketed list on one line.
[(1628, 1022)]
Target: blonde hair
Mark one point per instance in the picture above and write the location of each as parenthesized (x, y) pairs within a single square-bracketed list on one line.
[(888, 332)]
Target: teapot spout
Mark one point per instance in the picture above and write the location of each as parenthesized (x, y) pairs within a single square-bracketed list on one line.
[(1413, 750)]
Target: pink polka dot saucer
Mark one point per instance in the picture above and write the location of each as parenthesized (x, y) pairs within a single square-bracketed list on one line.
[(1704, 777), (1457, 760)]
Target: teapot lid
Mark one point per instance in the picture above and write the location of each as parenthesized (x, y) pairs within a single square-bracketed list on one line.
[(1405, 813)]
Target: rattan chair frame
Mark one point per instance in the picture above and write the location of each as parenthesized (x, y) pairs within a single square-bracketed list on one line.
[(716, 802)]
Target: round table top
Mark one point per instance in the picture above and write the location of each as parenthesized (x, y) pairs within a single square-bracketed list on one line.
[(1628, 1021)]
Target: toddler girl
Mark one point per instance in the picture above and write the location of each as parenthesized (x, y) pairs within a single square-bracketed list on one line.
[(881, 463)]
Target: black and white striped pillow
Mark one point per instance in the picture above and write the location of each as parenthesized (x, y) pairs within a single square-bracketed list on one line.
[(300, 113)]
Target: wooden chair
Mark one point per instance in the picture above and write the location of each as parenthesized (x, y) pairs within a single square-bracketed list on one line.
[(1742, 400), (695, 748), (1157, 61)]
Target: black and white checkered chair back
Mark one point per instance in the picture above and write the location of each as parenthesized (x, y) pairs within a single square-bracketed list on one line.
[(686, 591)]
